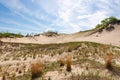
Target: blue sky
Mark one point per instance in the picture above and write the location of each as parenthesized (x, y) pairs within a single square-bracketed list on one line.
[(64, 16)]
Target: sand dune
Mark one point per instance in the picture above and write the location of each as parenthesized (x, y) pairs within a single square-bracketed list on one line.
[(106, 37)]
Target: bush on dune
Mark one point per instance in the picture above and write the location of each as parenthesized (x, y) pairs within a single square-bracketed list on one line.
[(104, 23), (37, 69), (10, 35)]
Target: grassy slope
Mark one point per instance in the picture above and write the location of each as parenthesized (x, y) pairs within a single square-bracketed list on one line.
[(82, 53)]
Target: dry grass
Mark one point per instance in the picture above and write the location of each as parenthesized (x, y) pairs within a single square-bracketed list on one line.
[(61, 61), (3, 74), (37, 69), (13, 76), (108, 60), (84, 54), (68, 62)]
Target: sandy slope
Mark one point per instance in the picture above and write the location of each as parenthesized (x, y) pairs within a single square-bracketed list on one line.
[(105, 37)]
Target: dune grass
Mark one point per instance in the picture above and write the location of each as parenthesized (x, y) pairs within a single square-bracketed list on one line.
[(84, 55), (37, 69)]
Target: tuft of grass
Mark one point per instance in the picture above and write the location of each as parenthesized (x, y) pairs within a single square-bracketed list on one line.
[(89, 76), (37, 69), (13, 76), (108, 60), (0, 41), (3, 75), (68, 62), (61, 61)]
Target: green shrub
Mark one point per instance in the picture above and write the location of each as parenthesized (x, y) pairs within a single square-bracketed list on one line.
[(50, 33), (8, 34), (107, 21)]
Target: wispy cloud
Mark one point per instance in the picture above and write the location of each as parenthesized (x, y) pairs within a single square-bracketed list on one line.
[(19, 25), (15, 5), (5, 29), (66, 16)]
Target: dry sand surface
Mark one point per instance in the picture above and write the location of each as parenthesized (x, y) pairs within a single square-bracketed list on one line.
[(106, 37)]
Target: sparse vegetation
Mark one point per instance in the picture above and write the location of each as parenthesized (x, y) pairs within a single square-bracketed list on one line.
[(86, 57), (108, 64), (107, 24), (89, 76), (107, 21), (68, 62), (61, 61), (3, 74), (10, 35), (50, 33)]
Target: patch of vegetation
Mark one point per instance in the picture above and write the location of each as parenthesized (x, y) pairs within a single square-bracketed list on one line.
[(85, 56), (107, 21), (37, 69), (61, 61), (94, 64), (107, 24), (10, 35), (108, 62), (89, 76), (68, 62), (50, 33)]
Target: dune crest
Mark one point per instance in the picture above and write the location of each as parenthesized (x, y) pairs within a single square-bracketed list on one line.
[(106, 37)]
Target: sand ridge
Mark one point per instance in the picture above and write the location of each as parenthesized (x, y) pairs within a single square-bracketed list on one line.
[(106, 37)]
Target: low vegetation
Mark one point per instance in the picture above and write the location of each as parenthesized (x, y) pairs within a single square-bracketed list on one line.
[(10, 35), (108, 64), (107, 21), (50, 33), (3, 76), (37, 69), (66, 61), (61, 61)]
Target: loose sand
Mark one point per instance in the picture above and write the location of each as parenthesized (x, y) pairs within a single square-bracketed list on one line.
[(106, 37)]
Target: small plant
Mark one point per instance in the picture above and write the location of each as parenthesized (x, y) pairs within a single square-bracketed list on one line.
[(3, 74), (0, 41), (49, 78), (108, 61), (50, 33), (13, 76), (68, 62), (37, 69), (61, 61)]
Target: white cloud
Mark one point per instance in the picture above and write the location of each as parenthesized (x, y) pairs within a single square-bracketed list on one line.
[(75, 27), (15, 4), (20, 9), (31, 20), (93, 19), (49, 29), (4, 28), (80, 15), (19, 24), (71, 15), (83, 16)]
